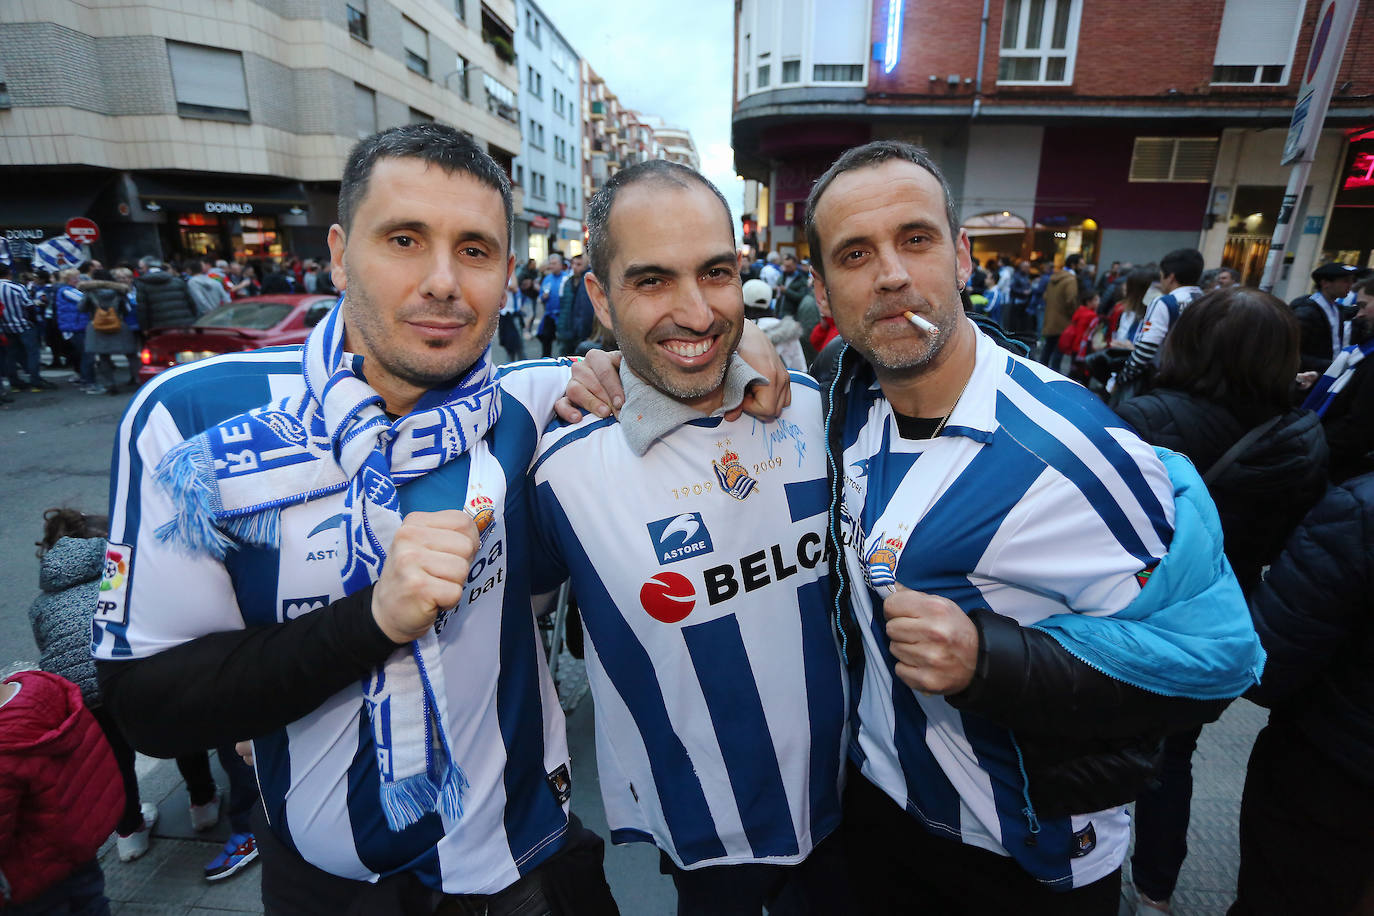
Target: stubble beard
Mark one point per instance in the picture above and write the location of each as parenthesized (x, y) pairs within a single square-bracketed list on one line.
[(894, 355), (365, 322), (673, 381)]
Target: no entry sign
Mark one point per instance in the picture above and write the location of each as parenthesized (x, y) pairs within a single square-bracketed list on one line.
[(83, 231)]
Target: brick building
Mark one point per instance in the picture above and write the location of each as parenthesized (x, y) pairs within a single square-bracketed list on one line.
[(221, 126), (1120, 129)]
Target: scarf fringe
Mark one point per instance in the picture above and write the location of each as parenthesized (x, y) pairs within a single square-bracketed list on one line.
[(451, 793), (194, 526), (405, 801)]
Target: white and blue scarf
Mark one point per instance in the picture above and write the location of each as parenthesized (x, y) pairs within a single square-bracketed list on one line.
[(231, 482), (1336, 377)]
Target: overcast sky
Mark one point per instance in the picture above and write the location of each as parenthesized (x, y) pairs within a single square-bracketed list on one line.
[(667, 59)]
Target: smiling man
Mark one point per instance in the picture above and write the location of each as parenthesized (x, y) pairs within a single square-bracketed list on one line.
[(290, 561), (695, 550), (997, 528)]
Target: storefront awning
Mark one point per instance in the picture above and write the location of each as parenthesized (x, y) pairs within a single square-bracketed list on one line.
[(46, 199), (228, 195)]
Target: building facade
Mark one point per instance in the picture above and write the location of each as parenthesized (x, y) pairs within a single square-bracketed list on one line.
[(550, 163), (1118, 129), (220, 127)]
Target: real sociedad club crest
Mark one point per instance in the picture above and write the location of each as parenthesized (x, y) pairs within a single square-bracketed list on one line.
[(732, 476), (880, 566), (483, 512)]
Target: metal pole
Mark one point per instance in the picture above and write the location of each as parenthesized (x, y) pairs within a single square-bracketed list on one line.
[(1283, 226)]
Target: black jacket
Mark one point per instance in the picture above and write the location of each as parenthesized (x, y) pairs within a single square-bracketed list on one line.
[(1315, 342), (1089, 742), (1349, 424), (1265, 492), (163, 301), (1314, 613)]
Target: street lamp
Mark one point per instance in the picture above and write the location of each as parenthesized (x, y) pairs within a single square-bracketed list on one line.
[(463, 71)]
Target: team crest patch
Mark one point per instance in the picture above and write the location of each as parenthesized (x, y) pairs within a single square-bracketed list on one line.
[(880, 566), (732, 476), (110, 605), (483, 512), (560, 781), (1083, 842)]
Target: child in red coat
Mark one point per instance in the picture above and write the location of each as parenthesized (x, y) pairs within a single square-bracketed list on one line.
[(60, 796)]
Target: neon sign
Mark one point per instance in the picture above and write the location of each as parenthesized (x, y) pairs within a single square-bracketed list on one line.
[(892, 46)]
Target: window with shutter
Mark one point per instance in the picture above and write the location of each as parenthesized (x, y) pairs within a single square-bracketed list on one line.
[(209, 82), (416, 42), (1256, 42), (1174, 159)]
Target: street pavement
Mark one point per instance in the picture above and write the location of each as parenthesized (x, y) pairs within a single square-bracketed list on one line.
[(55, 449)]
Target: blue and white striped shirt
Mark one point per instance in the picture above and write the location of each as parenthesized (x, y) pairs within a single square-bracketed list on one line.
[(700, 574), (318, 774), (14, 308), (1034, 501)]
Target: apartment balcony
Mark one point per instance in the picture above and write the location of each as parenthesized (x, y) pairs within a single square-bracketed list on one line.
[(598, 111)]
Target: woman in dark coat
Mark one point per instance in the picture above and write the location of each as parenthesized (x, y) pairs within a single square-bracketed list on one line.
[(1227, 372)]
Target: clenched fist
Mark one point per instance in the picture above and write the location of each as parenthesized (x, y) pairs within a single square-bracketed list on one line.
[(426, 569), (934, 641)]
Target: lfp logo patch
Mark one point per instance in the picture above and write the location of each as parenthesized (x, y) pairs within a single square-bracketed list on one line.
[(679, 536), (114, 585)]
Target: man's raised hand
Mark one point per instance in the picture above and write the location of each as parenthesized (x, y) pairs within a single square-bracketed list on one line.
[(425, 572), (934, 642)]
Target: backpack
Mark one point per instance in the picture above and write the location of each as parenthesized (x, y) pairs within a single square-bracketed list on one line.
[(106, 319)]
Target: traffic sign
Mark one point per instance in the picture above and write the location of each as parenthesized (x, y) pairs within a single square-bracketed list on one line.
[(83, 231)]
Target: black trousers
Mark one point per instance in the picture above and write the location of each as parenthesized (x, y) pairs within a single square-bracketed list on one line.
[(817, 886), (131, 820), (896, 866), (571, 883), (1306, 844)]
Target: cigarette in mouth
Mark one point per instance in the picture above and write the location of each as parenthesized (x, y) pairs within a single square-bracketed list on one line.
[(921, 323)]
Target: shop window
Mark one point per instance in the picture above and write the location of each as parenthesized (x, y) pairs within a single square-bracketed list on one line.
[(1176, 159), (357, 20), (209, 82), (1039, 41), (1256, 42), (416, 41)]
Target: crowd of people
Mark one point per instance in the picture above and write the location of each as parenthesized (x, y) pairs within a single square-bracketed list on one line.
[(909, 632), (86, 315)]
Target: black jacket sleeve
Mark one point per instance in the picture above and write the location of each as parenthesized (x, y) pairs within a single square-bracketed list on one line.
[(231, 686), (1317, 594), (1027, 682), (1314, 346)]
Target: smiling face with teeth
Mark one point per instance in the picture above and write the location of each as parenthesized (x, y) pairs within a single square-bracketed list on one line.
[(672, 291)]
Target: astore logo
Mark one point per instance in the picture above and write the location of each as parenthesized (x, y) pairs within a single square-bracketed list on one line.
[(668, 597)]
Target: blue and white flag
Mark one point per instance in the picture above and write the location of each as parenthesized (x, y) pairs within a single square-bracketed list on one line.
[(56, 253)]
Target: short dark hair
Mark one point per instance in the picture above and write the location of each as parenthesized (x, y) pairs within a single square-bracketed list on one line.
[(1235, 346), (195, 266), (600, 247), (1365, 286), (1185, 264), (1073, 260), (436, 144), (872, 154)]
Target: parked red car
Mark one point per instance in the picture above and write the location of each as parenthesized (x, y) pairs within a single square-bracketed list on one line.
[(244, 324)]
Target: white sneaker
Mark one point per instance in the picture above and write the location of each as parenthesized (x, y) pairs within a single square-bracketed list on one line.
[(205, 816), (136, 844)]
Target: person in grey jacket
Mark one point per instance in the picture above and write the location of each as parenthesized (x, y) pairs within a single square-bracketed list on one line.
[(72, 558)]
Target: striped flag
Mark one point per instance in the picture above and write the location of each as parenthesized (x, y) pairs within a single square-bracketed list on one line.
[(56, 253)]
